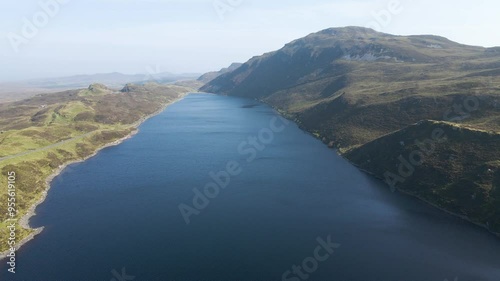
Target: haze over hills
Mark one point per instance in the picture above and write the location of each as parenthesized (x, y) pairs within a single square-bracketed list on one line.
[(366, 93), (11, 91)]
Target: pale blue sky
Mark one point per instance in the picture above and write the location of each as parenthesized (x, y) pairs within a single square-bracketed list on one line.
[(96, 36)]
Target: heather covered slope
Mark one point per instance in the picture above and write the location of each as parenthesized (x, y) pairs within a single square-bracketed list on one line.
[(454, 167), (352, 86)]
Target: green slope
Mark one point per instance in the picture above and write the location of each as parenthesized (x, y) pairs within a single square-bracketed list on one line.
[(351, 86), (40, 135)]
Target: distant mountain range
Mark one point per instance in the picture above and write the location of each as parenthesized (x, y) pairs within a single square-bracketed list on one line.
[(420, 112), (23, 89), (112, 80)]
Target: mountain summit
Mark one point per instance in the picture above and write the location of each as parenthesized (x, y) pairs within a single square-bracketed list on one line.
[(338, 51)]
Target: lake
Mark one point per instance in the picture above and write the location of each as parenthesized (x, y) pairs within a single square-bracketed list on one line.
[(271, 202)]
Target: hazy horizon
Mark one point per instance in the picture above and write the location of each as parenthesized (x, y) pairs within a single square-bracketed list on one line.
[(197, 36)]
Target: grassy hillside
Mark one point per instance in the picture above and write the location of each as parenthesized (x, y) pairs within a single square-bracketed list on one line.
[(458, 171), (40, 134), (351, 86), (207, 77)]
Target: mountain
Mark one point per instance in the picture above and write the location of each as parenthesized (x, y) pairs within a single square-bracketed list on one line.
[(377, 97), (207, 77)]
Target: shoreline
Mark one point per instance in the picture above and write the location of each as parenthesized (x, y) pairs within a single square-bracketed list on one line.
[(434, 205), (24, 220), (430, 203)]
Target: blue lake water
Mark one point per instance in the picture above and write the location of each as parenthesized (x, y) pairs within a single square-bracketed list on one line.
[(118, 212)]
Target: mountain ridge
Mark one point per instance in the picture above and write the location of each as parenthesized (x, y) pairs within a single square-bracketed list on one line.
[(207, 77)]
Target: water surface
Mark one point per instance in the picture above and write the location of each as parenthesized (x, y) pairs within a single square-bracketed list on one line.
[(119, 210)]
